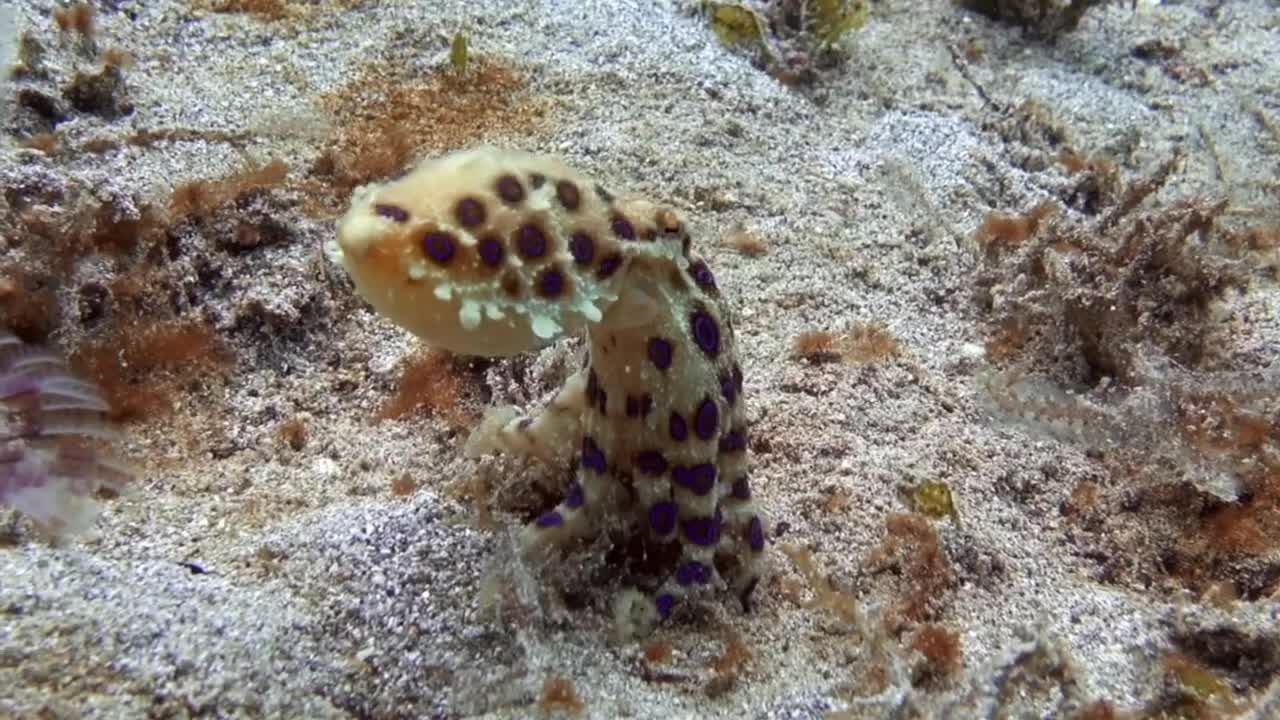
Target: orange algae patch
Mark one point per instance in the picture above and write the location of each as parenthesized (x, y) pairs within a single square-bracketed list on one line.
[(388, 117), (559, 695), (429, 382), (140, 367)]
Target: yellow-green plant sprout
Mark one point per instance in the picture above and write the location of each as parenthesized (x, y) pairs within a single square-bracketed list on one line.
[(934, 499), (458, 53), (833, 18), (735, 24)]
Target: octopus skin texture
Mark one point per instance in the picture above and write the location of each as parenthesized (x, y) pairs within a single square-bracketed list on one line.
[(494, 252)]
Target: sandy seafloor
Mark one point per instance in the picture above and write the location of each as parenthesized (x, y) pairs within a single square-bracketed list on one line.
[(326, 595)]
